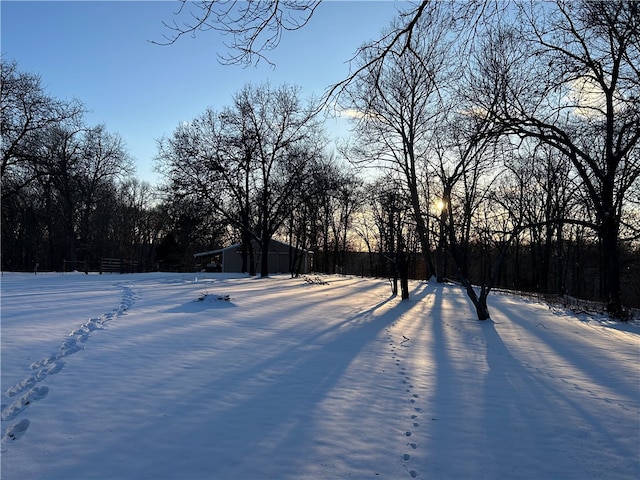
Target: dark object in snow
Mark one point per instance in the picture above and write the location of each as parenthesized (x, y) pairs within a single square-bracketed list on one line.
[(224, 298), (315, 281)]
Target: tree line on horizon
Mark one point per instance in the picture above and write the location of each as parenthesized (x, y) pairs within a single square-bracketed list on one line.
[(494, 147)]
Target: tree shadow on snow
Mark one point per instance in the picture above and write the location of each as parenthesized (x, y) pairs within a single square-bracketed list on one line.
[(493, 413), (282, 393)]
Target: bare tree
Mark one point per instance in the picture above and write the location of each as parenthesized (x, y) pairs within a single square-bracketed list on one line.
[(463, 160), (570, 79), (398, 103), (213, 157), (247, 161), (286, 133), (27, 114), (102, 160), (348, 198), (391, 211), (75, 163), (541, 184), (60, 179), (135, 225), (322, 210)]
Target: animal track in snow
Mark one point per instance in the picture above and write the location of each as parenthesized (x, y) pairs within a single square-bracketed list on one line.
[(54, 364), (408, 388)]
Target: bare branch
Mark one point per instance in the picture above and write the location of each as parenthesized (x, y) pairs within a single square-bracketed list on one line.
[(254, 26)]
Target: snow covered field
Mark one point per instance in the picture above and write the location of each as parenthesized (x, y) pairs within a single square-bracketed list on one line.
[(158, 376)]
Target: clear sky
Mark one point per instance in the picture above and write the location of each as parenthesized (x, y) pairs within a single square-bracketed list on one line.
[(99, 53)]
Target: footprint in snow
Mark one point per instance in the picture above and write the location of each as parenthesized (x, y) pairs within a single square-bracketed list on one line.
[(35, 394), (49, 370), (43, 362), (91, 325), (83, 338), (17, 407), (69, 347), (21, 387), (405, 381), (14, 432), (51, 367)]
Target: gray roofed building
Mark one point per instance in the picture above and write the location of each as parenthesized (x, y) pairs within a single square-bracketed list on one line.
[(229, 259)]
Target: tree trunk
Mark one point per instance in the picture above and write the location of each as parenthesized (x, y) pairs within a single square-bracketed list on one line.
[(611, 274), (482, 310), (479, 302), (403, 269), (246, 237), (423, 235), (264, 260), (252, 262), (440, 253), (394, 282)]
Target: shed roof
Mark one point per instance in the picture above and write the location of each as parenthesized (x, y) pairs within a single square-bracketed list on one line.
[(238, 245), (220, 250)]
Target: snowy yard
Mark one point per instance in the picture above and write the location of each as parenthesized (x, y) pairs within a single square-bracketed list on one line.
[(159, 376)]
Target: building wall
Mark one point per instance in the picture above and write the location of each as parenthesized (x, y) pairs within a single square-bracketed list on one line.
[(231, 258)]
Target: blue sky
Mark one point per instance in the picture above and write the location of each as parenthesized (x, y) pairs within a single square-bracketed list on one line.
[(99, 52)]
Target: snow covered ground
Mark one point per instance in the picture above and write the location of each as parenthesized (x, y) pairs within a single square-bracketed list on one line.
[(158, 376)]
